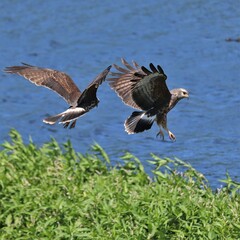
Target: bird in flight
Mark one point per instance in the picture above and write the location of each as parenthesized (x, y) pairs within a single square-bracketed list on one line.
[(61, 83), (145, 90)]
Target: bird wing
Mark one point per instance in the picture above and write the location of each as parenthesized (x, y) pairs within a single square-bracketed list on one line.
[(141, 88), (55, 80), (89, 93)]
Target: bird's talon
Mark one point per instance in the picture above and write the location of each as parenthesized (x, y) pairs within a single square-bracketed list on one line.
[(160, 133), (172, 137)]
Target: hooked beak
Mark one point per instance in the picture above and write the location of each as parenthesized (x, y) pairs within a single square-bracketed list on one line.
[(187, 95)]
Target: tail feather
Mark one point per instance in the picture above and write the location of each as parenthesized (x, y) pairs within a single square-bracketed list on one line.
[(66, 117), (53, 119), (72, 114), (138, 122)]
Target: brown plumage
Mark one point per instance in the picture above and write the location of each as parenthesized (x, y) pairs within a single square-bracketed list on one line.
[(145, 90), (62, 84)]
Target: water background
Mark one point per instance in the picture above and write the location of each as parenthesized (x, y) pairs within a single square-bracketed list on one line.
[(187, 38)]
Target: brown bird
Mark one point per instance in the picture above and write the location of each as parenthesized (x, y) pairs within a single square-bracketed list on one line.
[(61, 83), (147, 91)]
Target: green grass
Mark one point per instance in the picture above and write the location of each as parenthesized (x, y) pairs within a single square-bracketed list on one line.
[(52, 192)]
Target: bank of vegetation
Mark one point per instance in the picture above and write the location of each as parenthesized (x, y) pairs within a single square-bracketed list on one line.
[(53, 192)]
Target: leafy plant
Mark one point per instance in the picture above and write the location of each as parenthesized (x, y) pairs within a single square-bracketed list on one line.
[(53, 192)]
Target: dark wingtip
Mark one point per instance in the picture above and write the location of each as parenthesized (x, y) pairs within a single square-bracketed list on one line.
[(160, 69), (26, 64), (109, 67), (153, 68), (106, 71), (145, 70)]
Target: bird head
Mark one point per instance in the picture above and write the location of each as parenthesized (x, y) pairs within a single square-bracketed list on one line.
[(180, 93)]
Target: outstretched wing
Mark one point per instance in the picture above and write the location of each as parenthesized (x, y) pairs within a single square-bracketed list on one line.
[(89, 94), (55, 80), (141, 88)]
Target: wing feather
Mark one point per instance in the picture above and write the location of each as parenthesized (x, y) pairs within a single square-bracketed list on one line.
[(124, 62), (89, 95), (120, 69), (135, 64), (160, 69), (152, 67), (55, 80), (140, 87), (100, 77)]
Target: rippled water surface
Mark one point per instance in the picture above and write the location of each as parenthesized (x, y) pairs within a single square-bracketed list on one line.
[(187, 38)]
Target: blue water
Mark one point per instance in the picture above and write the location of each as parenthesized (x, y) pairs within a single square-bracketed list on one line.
[(187, 38)]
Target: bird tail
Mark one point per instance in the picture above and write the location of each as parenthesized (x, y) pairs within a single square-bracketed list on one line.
[(138, 122), (66, 117)]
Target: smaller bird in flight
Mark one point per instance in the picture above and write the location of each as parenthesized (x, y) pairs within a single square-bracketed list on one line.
[(80, 102), (145, 90)]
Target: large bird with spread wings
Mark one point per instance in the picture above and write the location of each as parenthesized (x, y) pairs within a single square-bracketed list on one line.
[(145, 90), (61, 83)]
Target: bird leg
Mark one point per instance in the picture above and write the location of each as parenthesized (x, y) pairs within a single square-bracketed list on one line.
[(161, 134), (162, 123), (66, 124), (71, 123), (164, 126)]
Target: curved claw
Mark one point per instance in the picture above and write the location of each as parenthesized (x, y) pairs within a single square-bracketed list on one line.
[(172, 136), (160, 133)]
